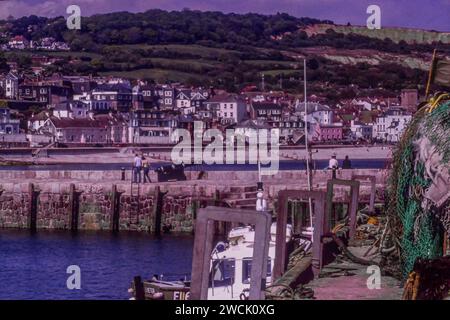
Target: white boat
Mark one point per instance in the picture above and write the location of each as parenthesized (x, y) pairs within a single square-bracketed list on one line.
[(231, 263)]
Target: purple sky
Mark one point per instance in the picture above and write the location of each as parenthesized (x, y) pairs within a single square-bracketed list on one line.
[(423, 14)]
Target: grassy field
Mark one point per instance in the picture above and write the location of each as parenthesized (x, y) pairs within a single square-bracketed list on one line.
[(160, 75), (164, 62), (178, 68), (286, 72), (204, 52), (74, 54)]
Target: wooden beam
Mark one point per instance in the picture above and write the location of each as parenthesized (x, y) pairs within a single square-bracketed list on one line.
[(373, 188)]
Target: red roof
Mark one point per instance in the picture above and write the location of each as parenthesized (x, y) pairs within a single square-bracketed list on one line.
[(19, 38)]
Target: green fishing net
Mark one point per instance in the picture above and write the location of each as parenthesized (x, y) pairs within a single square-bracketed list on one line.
[(419, 230)]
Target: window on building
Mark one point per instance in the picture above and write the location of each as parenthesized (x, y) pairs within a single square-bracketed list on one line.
[(247, 267), (224, 270)]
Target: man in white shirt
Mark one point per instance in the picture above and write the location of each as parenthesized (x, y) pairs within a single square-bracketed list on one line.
[(261, 203), (333, 163)]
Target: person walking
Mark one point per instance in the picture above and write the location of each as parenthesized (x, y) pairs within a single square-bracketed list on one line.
[(146, 166), (346, 164), (137, 166)]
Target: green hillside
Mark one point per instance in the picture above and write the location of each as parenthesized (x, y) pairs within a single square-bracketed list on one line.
[(231, 51)]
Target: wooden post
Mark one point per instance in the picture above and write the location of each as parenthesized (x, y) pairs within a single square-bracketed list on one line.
[(373, 188), (32, 207), (139, 292), (73, 208), (304, 207), (216, 198), (157, 210), (329, 204), (115, 209), (445, 246), (219, 227), (195, 207), (353, 208)]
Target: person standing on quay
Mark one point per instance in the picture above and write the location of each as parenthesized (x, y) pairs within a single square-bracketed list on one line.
[(333, 163), (137, 166), (146, 166), (346, 164)]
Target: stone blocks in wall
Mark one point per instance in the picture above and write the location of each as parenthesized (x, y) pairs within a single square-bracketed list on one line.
[(94, 207)]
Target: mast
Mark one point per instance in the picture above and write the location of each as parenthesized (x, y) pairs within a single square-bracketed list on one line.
[(308, 154)]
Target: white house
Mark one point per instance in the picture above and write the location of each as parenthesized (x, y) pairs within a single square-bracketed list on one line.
[(71, 109), (229, 108), (183, 102), (316, 113), (36, 121), (390, 126), (362, 104), (10, 85)]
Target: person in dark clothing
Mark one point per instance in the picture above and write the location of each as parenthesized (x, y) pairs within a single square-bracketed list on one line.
[(146, 166), (346, 164)]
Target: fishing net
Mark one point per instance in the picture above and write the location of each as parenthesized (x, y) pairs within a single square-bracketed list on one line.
[(418, 187)]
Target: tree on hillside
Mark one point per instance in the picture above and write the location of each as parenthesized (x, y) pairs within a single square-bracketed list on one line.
[(3, 65)]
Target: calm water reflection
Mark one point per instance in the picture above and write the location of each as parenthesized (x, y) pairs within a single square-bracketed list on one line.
[(33, 266)]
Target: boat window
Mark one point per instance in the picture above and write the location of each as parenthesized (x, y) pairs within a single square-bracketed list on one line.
[(247, 267), (223, 272)]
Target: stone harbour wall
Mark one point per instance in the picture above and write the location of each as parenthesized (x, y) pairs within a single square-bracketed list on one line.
[(78, 204), (93, 205)]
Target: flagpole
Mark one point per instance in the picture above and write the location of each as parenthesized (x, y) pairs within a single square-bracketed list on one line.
[(430, 74)]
